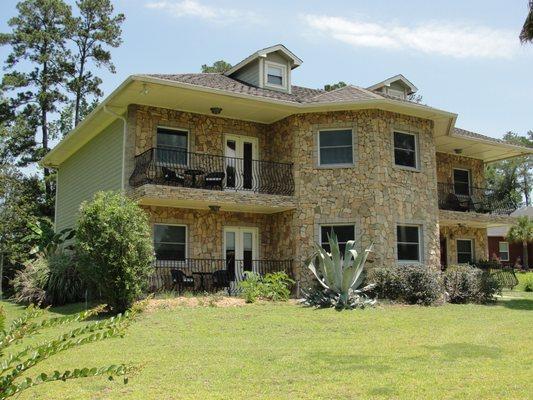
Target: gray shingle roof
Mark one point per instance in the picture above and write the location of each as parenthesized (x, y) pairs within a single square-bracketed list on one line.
[(298, 94), (470, 134)]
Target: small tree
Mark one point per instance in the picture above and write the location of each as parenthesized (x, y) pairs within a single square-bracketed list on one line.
[(522, 232), (114, 246), (219, 66), (16, 367)]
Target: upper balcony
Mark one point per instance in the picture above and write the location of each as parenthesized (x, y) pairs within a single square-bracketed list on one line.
[(461, 197), (182, 168)]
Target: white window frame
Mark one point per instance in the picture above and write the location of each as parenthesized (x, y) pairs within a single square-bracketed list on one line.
[(343, 165), (469, 180), (500, 251), (417, 151), (320, 226), (186, 239), (284, 76), (472, 254), (420, 244), (173, 128)]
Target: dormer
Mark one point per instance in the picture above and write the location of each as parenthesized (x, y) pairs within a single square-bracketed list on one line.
[(397, 86), (268, 68)]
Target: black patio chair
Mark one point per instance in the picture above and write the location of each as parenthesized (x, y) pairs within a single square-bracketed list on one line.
[(214, 179), (181, 280), (171, 176), (221, 280)]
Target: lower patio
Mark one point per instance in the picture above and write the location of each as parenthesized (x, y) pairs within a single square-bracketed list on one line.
[(200, 250)]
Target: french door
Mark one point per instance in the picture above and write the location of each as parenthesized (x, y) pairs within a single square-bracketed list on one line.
[(240, 249), (240, 151)]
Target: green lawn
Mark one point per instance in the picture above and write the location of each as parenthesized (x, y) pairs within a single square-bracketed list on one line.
[(284, 351)]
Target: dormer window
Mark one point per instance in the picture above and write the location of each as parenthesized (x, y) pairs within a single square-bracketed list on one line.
[(276, 75)]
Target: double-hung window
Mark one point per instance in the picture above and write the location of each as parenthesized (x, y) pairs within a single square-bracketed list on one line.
[(276, 75), (408, 243), (343, 232), (503, 248), (335, 147), (465, 251), (172, 146), (405, 150), (170, 242), (461, 182)]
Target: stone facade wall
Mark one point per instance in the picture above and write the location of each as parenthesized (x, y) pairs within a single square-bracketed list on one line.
[(447, 162), (373, 194), (205, 230), (478, 235)]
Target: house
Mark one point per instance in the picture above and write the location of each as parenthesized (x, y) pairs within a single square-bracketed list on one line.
[(507, 252), (244, 170)]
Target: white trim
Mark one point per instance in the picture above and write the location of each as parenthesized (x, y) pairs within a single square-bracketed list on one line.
[(399, 77), (416, 135), (263, 53), (173, 128), (284, 75), (500, 252), (55, 200), (472, 250), (170, 224), (335, 165), (420, 244)]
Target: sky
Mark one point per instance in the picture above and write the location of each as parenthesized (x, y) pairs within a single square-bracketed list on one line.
[(464, 56)]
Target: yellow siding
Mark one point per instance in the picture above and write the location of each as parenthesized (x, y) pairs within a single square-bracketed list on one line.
[(96, 166)]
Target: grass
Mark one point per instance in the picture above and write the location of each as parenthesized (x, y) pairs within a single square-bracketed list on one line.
[(284, 351)]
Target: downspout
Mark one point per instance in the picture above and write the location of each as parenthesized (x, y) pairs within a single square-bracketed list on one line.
[(124, 135)]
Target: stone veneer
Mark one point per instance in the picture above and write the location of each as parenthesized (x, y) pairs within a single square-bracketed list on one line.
[(478, 235), (373, 194), (447, 162)]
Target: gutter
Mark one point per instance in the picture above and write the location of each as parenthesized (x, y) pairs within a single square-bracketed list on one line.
[(124, 133)]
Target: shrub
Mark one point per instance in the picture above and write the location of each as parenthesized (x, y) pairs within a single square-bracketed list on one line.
[(114, 247), (465, 284), (65, 284), (29, 284), (412, 284), (273, 286), (528, 284)]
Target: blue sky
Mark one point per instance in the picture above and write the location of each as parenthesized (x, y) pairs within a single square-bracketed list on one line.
[(464, 56)]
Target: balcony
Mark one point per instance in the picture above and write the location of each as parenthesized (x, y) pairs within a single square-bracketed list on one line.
[(161, 166), (473, 199), (210, 275)]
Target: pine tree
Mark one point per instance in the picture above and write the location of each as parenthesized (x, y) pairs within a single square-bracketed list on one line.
[(92, 32), (38, 38)]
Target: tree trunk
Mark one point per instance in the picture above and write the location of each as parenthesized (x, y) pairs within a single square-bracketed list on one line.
[(525, 256), (44, 128)]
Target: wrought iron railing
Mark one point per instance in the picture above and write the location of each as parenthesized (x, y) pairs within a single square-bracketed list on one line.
[(209, 275), (481, 200), (208, 171)]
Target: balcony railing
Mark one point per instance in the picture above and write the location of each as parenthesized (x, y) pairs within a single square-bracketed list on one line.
[(207, 171), (210, 275), (480, 200)]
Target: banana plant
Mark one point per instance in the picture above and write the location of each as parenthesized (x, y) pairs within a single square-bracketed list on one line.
[(337, 273)]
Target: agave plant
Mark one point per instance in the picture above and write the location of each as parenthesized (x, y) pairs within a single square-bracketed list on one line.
[(339, 275)]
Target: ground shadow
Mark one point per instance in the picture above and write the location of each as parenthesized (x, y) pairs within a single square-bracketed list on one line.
[(383, 391), (454, 351), (516, 304)]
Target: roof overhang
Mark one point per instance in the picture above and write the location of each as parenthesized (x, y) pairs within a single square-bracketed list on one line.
[(483, 149), (294, 60), (164, 93)]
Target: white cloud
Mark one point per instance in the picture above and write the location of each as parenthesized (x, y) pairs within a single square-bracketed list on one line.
[(193, 8), (448, 39)]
